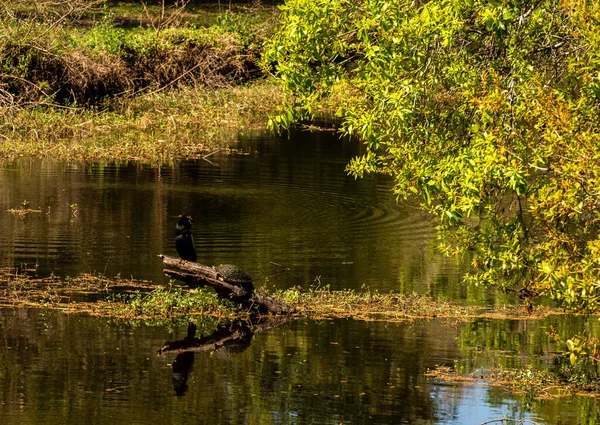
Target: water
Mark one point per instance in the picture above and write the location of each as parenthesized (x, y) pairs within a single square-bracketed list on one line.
[(78, 369), (288, 213)]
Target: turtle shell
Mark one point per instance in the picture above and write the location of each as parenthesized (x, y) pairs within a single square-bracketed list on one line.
[(235, 275)]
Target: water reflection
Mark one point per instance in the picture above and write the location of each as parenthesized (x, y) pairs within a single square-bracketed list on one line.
[(183, 364), (57, 368), (288, 203), (227, 340)]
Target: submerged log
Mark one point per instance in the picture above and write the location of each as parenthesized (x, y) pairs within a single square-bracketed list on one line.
[(195, 274)]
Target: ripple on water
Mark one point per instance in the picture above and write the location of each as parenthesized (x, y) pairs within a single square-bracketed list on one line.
[(289, 202)]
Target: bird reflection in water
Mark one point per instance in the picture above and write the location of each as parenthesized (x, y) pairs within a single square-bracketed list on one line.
[(183, 364), (226, 341)]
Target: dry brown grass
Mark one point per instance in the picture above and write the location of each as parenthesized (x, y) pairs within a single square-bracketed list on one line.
[(156, 127), (390, 307), (19, 289)]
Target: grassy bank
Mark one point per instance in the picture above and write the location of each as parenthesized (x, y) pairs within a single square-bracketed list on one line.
[(160, 127), (84, 55), (124, 82)]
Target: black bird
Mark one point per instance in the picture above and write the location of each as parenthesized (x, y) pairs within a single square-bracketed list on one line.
[(185, 240)]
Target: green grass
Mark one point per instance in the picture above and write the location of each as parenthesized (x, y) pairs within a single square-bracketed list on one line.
[(51, 55), (171, 301), (258, 17), (156, 127), (133, 299), (91, 88)]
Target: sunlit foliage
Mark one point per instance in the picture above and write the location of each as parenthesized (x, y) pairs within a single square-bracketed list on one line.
[(488, 110)]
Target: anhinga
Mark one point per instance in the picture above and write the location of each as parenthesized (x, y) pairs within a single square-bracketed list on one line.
[(185, 240)]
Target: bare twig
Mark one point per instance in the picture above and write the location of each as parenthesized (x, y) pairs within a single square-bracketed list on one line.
[(212, 153), (163, 21), (279, 265), (516, 421), (74, 7)]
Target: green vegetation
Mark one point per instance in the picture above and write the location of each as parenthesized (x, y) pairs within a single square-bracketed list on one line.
[(536, 384), (117, 297), (170, 301), (487, 110), (323, 303), (135, 299), (144, 302), (528, 357), (159, 127), (154, 84), (54, 59)]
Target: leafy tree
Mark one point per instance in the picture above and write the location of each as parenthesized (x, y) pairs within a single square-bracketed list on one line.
[(489, 110)]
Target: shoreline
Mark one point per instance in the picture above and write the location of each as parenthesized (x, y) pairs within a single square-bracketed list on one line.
[(166, 127)]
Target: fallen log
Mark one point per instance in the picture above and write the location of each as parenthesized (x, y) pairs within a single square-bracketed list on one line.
[(195, 274)]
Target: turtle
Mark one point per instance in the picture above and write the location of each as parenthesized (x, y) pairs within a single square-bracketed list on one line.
[(236, 276)]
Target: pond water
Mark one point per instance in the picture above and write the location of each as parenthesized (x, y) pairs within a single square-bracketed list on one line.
[(74, 369), (286, 211)]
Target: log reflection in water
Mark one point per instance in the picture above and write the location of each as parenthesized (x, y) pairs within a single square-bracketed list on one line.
[(226, 340)]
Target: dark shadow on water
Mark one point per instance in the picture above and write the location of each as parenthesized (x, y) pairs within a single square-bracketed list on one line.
[(226, 341)]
